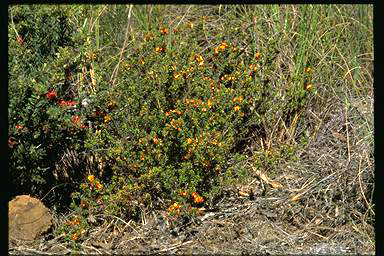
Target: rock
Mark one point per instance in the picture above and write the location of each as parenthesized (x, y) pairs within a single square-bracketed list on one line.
[(28, 218)]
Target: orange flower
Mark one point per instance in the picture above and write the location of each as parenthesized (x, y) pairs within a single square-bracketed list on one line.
[(164, 31), (142, 157), (189, 141), (223, 45), (239, 99), (258, 55), (236, 108), (210, 104), (99, 186), (198, 199), (175, 207), (252, 67), (91, 178), (231, 78), (216, 50), (19, 126), (183, 193), (73, 222), (155, 140), (194, 194), (159, 49), (75, 236)]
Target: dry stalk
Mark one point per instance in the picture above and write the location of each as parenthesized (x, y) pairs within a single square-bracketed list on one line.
[(114, 73)]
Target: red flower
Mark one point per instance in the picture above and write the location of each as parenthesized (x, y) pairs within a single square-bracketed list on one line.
[(19, 126), (51, 95)]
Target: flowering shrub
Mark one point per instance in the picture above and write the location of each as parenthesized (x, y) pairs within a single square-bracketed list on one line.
[(182, 113)]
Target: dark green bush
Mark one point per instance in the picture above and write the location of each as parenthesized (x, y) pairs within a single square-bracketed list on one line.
[(42, 47)]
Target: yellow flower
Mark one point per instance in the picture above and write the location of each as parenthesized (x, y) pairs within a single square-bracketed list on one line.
[(91, 178), (107, 119), (223, 45), (308, 87), (177, 76), (204, 109), (307, 70), (199, 59), (236, 108)]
